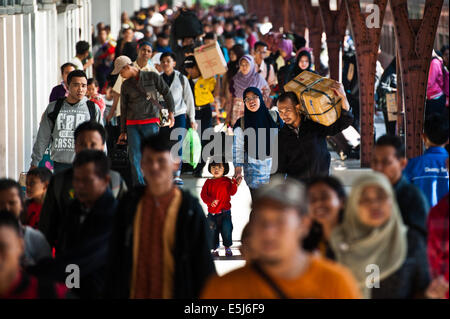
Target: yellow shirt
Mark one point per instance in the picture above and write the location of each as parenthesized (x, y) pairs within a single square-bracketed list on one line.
[(203, 91), (323, 279)]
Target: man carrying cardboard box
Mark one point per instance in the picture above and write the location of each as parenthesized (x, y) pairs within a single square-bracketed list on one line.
[(302, 148)]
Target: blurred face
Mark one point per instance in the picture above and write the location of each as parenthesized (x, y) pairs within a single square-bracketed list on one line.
[(66, 72), (385, 161), (445, 57), (283, 53), (217, 170), (163, 42), (102, 36), (233, 56), (229, 27), (157, 167), (288, 112), (128, 35), (145, 52), (229, 43), (188, 41), (260, 53), (168, 64), (11, 249), (109, 94), (252, 101), (324, 204), (126, 72), (10, 201), (193, 72), (35, 187), (91, 91), (77, 88), (276, 233), (303, 63), (87, 185), (244, 66), (89, 140), (374, 207)]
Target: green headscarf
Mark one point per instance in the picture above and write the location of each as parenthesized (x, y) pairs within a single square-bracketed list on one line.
[(357, 245)]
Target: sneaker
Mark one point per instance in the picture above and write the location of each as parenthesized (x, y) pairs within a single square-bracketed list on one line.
[(178, 181), (228, 252), (215, 253)]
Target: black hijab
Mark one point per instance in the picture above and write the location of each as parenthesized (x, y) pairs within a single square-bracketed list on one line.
[(257, 120), (296, 69), (233, 66)]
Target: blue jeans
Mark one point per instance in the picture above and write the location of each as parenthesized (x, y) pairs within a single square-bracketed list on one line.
[(221, 224), (135, 134), (180, 122)]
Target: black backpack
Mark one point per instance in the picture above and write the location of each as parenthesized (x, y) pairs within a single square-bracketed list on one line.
[(53, 115)]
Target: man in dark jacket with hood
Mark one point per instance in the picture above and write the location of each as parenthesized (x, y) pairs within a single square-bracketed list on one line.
[(302, 144), (160, 242)]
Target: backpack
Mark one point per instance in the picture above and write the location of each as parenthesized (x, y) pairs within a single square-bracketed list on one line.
[(59, 103)]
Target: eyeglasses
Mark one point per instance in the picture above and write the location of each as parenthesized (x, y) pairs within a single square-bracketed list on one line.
[(252, 98)]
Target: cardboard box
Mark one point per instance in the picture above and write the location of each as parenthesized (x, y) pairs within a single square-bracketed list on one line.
[(317, 101), (391, 104), (210, 60)]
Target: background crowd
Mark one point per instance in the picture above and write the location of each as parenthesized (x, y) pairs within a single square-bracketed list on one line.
[(115, 204)]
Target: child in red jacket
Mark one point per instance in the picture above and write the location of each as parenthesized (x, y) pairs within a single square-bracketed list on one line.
[(216, 193), (37, 183)]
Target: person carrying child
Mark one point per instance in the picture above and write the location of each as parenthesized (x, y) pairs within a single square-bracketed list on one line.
[(37, 184), (216, 193)]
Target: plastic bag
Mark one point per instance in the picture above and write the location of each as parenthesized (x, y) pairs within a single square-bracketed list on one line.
[(192, 148)]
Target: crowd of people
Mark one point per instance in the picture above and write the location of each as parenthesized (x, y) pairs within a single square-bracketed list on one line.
[(116, 208)]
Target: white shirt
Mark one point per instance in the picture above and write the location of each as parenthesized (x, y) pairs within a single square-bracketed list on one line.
[(77, 62)]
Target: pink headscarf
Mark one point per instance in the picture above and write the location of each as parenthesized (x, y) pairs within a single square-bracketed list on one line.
[(253, 78), (287, 46)]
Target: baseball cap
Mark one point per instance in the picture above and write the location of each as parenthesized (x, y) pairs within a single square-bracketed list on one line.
[(120, 62), (288, 192), (189, 62)]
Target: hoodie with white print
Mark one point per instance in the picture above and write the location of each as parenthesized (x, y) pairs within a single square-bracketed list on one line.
[(62, 138)]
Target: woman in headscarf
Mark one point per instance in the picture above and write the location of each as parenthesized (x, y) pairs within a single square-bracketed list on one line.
[(303, 62), (286, 48), (253, 151), (236, 53), (387, 259), (246, 77)]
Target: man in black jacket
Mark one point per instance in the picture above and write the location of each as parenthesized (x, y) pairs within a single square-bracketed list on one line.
[(160, 242), (86, 230), (302, 146), (60, 193), (390, 159)]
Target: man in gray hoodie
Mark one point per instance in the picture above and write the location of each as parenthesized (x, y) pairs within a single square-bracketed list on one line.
[(60, 120)]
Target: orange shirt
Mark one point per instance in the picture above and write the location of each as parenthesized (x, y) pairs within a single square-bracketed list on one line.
[(323, 279)]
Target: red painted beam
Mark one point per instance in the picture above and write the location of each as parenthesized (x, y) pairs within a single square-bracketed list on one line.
[(314, 23), (334, 24), (415, 40), (366, 42)]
